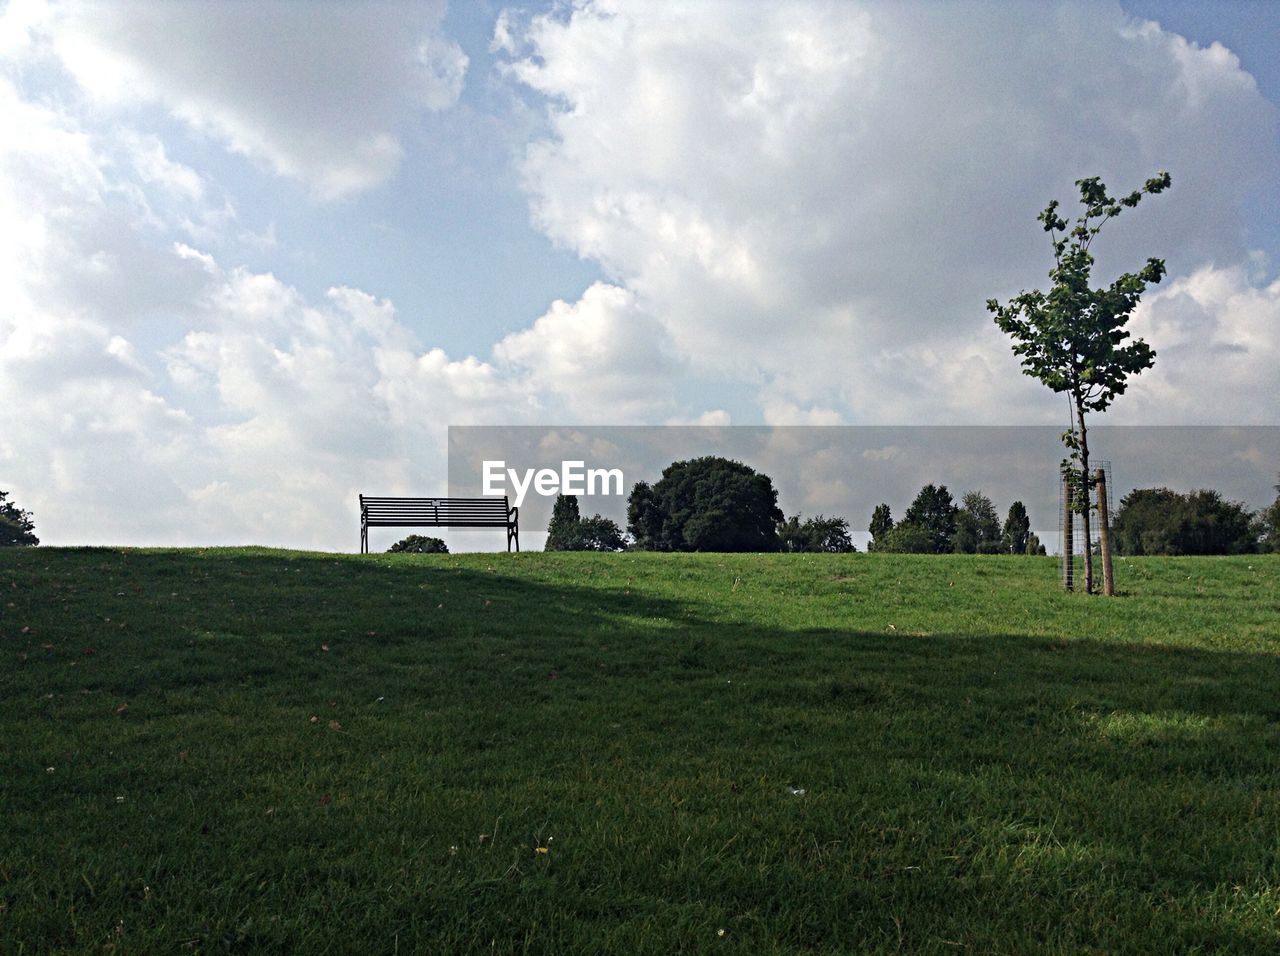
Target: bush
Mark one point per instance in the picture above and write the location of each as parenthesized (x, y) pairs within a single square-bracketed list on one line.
[(596, 533), (705, 504), (17, 529), (419, 544), (820, 534), (1160, 521), (906, 537), (570, 532)]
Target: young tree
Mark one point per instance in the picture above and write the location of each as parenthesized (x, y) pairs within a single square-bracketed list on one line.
[(1072, 338), (881, 524), (1017, 529), (17, 529)]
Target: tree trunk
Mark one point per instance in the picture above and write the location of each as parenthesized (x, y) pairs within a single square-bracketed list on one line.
[(1104, 535), (1086, 482)]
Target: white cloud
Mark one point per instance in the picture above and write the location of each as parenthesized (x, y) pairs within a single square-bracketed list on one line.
[(820, 196), (1218, 360), (150, 395), (318, 91), (603, 359)]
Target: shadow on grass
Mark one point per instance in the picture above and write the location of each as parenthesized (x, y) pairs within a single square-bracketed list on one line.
[(1003, 791)]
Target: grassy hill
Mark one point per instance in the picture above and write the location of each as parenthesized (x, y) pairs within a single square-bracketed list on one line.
[(265, 751)]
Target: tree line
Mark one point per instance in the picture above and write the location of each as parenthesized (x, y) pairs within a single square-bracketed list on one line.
[(713, 504), (1160, 521), (935, 524)]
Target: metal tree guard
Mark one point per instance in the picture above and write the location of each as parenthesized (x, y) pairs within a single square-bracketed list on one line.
[(1071, 523)]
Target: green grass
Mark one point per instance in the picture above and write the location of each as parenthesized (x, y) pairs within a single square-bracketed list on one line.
[(988, 765)]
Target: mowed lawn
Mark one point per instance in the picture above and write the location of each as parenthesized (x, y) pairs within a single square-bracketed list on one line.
[(265, 751)]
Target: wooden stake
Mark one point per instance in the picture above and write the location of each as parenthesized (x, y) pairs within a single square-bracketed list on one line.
[(1104, 536), (1068, 537)]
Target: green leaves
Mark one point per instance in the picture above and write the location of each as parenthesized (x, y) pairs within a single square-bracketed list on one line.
[(1072, 338)]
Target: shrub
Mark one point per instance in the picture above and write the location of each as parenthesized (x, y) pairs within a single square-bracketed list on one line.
[(906, 537), (820, 534), (17, 528), (419, 544)]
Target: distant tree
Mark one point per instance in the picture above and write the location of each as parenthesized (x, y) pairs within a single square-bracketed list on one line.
[(564, 518), (1268, 526), (1034, 547), (977, 527), (1071, 337), (17, 527), (1160, 521), (596, 533), (705, 504), (1017, 530), (820, 534), (906, 537), (568, 531), (419, 544), (881, 524), (935, 512), (645, 517)]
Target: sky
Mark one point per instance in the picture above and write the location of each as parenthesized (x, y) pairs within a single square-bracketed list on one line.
[(255, 258)]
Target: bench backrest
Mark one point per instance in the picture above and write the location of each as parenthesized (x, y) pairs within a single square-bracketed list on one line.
[(436, 512)]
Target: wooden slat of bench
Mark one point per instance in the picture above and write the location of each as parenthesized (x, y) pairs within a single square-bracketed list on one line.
[(444, 521), (435, 512)]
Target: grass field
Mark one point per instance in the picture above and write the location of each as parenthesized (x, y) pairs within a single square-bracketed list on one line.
[(265, 751)]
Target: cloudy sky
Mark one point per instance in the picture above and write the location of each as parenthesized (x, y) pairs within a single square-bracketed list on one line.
[(255, 257)]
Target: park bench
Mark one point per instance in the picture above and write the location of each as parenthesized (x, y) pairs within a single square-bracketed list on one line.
[(438, 513)]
